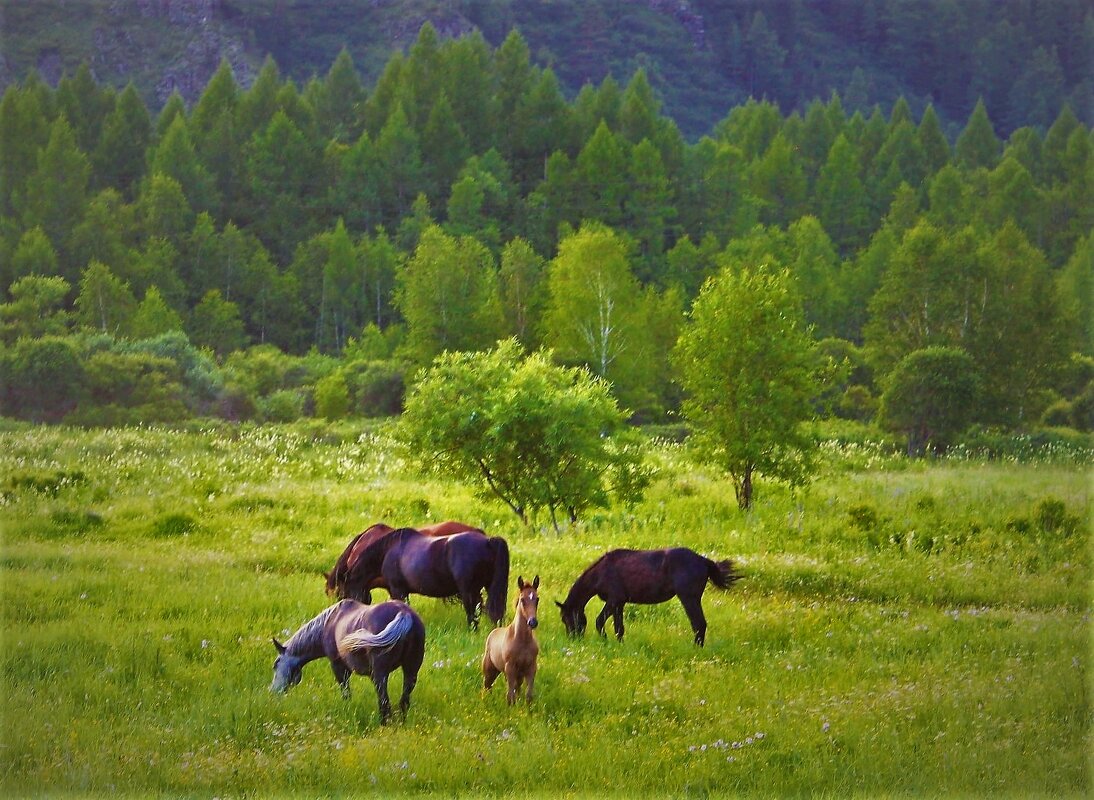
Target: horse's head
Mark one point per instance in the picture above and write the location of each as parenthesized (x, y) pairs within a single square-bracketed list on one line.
[(287, 669), (528, 601), (573, 617)]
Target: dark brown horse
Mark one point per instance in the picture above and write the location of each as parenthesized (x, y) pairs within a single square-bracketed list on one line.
[(645, 576), (460, 565), (341, 580), (369, 640)]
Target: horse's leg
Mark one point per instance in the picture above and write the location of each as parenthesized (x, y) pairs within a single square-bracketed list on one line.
[(410, 680), (602, 617), (490, 673), (341, 674), (379, 678), (693, 607), (512, 677), (413, 654), (531, 681), (617, 620), (471, 604)]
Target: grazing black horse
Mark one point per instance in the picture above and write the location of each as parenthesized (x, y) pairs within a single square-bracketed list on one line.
[(645, 576), (369, 640), (460, 565)]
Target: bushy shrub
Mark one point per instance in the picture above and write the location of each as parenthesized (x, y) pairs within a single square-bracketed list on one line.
[(286, 405), (377, 388), (41, 379), (332, 396)]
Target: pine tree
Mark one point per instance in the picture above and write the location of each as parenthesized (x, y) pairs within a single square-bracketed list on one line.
[(936, 150), (841, 200), (600, 171), (977, 146), (119, 160), (153, 317)]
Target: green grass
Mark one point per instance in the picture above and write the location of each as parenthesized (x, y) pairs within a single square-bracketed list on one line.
[(903, 629)]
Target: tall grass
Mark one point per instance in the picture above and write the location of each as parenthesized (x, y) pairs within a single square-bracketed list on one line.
[(902, 630)]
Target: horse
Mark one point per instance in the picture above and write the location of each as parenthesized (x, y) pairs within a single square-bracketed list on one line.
[(645, 576), (513, 650), (341, 580), (461, 565), (369, 640)]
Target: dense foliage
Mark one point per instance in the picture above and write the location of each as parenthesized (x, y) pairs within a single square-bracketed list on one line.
[(1025, 57), (284, 234)]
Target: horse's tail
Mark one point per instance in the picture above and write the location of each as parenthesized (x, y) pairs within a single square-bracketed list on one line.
[(498, 589), (394, 631), (721, 573)]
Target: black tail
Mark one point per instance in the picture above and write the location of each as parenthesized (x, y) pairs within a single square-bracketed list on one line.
[(498, 590), (721, 573)]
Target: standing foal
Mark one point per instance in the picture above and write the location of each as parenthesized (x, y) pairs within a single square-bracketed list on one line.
[(514, 650)]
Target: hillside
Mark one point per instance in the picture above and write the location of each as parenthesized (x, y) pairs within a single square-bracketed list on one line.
[(703, 57)]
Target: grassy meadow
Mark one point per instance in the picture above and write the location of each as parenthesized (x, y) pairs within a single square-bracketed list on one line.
[(903, 630)]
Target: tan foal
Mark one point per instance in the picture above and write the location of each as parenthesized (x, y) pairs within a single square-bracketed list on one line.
[(513, 650)]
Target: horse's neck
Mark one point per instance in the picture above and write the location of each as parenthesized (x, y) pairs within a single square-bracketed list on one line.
[(519, 627), (582, 591), (307, 643)]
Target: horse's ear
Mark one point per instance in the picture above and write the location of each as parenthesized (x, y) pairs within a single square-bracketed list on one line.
[(535, 582), (520, 582), (280, 647)]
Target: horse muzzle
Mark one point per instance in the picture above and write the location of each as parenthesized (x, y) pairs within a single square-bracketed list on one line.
[(533, 623)]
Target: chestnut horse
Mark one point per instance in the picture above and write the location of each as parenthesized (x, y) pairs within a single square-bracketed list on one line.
[(460, 565), (645, 576), (369, 640), (342, 580), (514, 650)]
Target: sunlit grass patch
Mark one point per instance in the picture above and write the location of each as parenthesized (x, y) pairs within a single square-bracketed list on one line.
[(138, 604)]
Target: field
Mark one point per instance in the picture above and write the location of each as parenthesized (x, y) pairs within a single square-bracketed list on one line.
[(902, 630)]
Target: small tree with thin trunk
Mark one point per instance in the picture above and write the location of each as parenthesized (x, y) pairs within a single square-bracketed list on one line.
[(746, 362), (534, 435)]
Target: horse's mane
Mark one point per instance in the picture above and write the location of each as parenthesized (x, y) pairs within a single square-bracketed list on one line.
[(305, 638)]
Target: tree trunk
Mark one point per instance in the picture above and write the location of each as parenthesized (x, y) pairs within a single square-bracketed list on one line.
[(743, 488)]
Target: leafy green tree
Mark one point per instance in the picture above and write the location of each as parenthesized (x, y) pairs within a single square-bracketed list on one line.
[(840, 198), (283, 173), (648, 209), (85, 104), (931, 397), (341, 95), (119, 158), (153, 317), (1075, 290), (24, 129), (533, 435), (978, 146), (1020, 343), (36, 308), (932, 141), (522, 289), (216, 325), (34, 255), (448, 294), (927, 297), (105, 302), (176, 158), (777, 181), (948, 198), (353, 193), (745, 361), (593, 310), (56, 192), (445, 146), (163, 210), (401, 177), (332, 396), (42, 378), (600, 173)]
